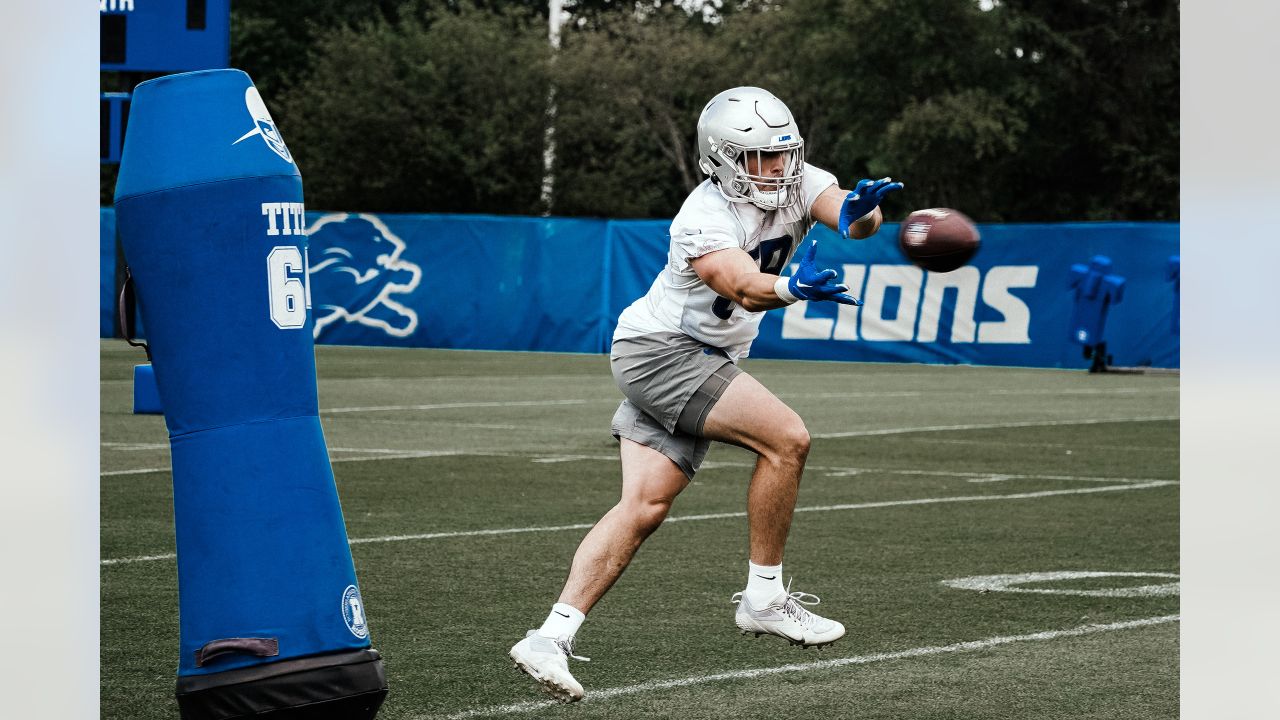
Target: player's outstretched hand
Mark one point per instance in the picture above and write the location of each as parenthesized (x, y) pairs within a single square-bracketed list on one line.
[(866, 196), (810, 283)]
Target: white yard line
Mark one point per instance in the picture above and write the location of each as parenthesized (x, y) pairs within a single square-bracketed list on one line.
[(987, 476), (953, 393), (719, 516), (406, 455), (134, 471), (828, 470), (990, 426), (377, 454), (566, 458), (141, 558), (815, 666), (457, 405), (1068, 446), (939, 500), (845, 471), (990, 479), (785, 396), (135, 446)]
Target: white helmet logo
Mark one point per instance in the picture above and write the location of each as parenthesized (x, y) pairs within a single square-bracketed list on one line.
[(263, 125)]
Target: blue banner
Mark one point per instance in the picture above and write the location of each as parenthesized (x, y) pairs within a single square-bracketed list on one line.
[(558, 284), (1012, 305), (457, 281)]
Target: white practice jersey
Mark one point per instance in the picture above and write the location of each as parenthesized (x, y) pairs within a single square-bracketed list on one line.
[(679, 301)]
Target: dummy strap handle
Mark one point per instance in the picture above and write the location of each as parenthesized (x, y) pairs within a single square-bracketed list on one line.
[(258, 647), (127, 294)]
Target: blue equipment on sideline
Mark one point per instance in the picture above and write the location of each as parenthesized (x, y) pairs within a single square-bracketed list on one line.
[(1096, 290), (210, 215)]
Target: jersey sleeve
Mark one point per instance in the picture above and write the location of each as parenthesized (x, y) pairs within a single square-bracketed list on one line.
[(696, 242), (814, 182), (694, 234)]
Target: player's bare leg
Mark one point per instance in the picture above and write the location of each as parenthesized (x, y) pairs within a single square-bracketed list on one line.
[(650, 482), (750, 416)]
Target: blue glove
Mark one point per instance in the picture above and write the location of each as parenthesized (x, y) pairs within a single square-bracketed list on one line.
[(866, 196), (810, 283)]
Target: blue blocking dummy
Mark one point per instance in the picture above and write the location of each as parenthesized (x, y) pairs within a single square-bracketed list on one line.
[(209, 206), (1095, 290)]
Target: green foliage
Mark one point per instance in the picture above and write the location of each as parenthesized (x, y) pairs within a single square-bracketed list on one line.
[(1028, 110), (628, 97), (948, 145), (439, 113)]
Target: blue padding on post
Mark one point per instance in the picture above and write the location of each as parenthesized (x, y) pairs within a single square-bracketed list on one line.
[(261, 542), (205, 296), (210, 215), (199, 127), (146, 396)]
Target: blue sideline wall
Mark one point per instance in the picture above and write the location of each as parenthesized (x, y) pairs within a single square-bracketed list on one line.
[(558, 284)]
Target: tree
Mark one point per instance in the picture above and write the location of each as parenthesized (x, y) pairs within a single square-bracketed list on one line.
[(629, 92), (439, 113), (1011, 110)]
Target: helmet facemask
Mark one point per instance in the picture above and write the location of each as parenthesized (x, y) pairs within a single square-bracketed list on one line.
[(766, 192)]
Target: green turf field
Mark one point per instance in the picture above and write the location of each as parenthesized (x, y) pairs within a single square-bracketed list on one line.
[(458, 472)]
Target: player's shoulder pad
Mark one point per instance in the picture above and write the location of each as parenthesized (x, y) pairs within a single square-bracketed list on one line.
[(707, 212)]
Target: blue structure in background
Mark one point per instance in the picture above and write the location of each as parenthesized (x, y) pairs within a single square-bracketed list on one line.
[(1095, 291), (558, 284), (1175, 276), (210, 216), (113, 120), (164, 35)]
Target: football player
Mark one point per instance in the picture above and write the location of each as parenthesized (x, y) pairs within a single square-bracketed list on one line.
[(675, 357)]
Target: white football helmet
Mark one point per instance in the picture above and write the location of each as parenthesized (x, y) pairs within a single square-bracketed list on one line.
[(742, 121)]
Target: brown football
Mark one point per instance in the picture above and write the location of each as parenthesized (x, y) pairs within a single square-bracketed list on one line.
[(938, 239)]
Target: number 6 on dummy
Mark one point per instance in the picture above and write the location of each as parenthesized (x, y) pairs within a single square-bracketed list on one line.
[(209, 207)]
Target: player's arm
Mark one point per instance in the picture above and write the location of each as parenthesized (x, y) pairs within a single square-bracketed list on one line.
[(853, 213), (734, 274), (826, 210)]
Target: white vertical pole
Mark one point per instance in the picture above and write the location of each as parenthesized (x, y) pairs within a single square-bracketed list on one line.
[(549, 138)]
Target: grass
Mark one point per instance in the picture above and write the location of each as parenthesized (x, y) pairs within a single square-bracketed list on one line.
[(530, 447)]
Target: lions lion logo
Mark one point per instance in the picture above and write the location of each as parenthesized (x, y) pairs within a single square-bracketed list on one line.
[(356, 273)]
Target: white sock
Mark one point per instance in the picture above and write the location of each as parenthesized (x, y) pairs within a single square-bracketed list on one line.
[(764, 583), (563, 621)]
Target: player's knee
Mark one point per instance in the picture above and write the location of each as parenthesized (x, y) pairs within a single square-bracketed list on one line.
[(648, 514), (791, 442)]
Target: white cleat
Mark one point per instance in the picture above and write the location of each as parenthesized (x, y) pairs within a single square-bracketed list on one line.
[(785, 617), (546, 660)]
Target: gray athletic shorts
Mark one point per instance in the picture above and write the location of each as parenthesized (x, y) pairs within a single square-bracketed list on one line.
[(671, 382)]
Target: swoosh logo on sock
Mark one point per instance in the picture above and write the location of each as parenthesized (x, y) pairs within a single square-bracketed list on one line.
[(771, 577), (559, 613)]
